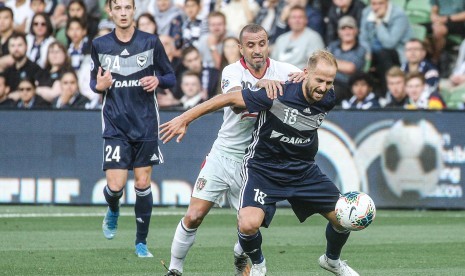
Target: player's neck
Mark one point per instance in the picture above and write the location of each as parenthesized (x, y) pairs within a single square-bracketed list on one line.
[(124, 35)]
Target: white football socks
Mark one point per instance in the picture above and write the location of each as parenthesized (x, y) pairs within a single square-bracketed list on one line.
[(182, 241)]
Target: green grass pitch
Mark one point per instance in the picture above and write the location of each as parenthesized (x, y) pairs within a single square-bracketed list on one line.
[(51, 240)]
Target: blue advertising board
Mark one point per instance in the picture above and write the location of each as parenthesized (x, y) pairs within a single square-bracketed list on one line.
[(403, 159)]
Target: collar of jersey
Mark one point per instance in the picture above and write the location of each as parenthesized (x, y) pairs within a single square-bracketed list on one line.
[(244, 64)]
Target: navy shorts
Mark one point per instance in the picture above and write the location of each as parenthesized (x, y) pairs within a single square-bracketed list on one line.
[(314, 193), (120, 154)]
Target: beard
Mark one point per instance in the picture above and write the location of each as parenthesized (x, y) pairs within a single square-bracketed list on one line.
[(18, 57)]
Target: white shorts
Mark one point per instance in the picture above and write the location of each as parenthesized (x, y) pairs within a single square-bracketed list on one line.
[(219, 176)]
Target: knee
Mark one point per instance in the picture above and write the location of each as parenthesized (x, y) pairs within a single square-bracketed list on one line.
[(193, 218), (142, 183), (247, 226)]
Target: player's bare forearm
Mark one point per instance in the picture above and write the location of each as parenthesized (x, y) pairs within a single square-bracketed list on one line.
[(178, 126)]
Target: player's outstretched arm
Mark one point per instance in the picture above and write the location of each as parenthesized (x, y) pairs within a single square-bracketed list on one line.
[(178, 125)]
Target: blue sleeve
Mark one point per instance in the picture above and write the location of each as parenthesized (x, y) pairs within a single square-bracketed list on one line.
[(257, 100), (95, 64), (163, 69)]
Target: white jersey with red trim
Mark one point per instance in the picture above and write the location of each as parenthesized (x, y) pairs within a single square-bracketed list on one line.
[(236, 132)]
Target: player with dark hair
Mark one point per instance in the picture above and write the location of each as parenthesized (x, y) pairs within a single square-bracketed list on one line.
[(220, 173), (280, 161), (127, 66)]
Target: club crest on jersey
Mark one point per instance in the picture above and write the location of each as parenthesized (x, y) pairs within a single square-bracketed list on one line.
[(141, 60), (224, 83), (200, 183)]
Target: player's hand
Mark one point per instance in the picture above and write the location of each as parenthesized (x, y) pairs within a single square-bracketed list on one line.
[(177, 126), (103, 81), (149, 83), (272, 87), (297, 76)]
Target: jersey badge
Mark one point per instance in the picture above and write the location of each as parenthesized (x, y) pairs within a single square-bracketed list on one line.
[(141, 60), (200, 183), (224, 83)]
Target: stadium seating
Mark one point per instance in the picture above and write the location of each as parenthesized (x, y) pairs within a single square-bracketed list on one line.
[(419, 31), (418, 11)]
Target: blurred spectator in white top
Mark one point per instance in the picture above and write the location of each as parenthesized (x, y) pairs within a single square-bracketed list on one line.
[(338, 9), (238, 14), (349, 54), (40, 38), (396, 97), (21, 11), (299, 43), (415, 54), (79, 44), (384, 30), (363, 97), (193, 27), (315, 19), (211, 44)]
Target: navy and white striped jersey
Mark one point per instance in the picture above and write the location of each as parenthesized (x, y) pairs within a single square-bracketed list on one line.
[(129, 112), (285, 139)]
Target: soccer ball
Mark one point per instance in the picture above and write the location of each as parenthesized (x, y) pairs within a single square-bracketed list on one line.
[(355, 211), (411, 157)]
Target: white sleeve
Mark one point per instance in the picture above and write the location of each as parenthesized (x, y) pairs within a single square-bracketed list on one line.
[(231, 77)]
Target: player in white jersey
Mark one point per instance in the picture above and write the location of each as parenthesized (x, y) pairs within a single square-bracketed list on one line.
[(220, 173)]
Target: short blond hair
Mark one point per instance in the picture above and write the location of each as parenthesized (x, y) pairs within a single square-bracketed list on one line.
[(318, 55)]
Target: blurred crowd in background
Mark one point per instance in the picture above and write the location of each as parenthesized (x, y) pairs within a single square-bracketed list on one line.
[(406, 54)]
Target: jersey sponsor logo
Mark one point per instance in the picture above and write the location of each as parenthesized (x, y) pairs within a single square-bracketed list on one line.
[(224, 83), (124, 53), (127, 83), (141, 60), (200, 183), (289, 140)]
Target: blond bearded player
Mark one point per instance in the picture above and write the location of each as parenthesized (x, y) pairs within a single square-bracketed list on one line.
[(221, 171)]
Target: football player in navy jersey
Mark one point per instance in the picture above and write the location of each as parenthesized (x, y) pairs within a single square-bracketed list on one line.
[(127, 66), (279, 163)]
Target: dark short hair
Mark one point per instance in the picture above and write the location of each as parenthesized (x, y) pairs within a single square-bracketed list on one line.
[(81, 23), (29, 79), (360, 76), (69, 71), (188, 50), (109, 3), (8, 10), (251, 28), (16, 35), (196, 1)]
